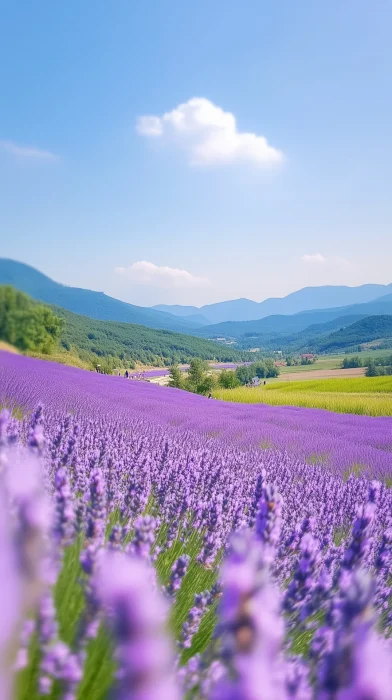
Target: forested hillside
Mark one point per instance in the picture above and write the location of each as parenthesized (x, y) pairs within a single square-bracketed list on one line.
[(128, 343), (55, 332), (364, 331)]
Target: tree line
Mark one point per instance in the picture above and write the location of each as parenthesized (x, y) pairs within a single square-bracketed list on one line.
[(375, 367), (201, 380)]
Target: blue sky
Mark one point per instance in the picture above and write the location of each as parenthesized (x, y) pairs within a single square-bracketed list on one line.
[(270, 171)]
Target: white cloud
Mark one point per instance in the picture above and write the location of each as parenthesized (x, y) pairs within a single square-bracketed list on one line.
[(315, 258), (26, 152), (147, 273), (208, 135)]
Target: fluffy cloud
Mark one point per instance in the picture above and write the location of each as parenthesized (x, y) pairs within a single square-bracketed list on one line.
[(208, 135), (26, 152), (315, 258), (147, 273)]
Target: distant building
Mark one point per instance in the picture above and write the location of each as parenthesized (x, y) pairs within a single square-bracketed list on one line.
[(307, 356), (254, 350)]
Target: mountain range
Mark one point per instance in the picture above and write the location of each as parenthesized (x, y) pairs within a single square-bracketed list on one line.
[(301, 300), (338, 335), (283, 324), (366, 300), (83, 301)]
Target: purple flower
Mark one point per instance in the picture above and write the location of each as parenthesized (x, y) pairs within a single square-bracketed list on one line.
[(136, 615), (269, 519), (192, 623), (144, 536), (177, 574), (250, 626)]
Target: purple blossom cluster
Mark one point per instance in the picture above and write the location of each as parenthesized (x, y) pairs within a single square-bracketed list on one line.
[(127, 479), (342, 442)]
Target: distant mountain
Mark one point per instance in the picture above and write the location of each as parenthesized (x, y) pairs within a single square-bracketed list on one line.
[(364, 331), (177, 309), (283, 325), (304, 299), (83, 301), (304, 340)]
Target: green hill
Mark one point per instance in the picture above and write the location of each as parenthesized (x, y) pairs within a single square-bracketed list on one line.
[(61, 335), (295, 342), (128, 343), (84, 301), (346, 332), (364, 331)]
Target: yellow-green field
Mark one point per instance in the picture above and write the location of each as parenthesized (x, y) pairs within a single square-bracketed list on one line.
[(333, 361), (370, 396)]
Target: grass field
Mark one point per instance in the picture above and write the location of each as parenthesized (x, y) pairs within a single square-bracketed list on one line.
[(370, 396), (333, 361)]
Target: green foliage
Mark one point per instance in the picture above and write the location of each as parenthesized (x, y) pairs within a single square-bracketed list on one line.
[(372, 370), (378, 366), (364, 331), (263, 369), (26, 324), (228, 379), (197, 371), (206, 385), (175, 377), (351, 362), (244, 374), (126, 344), (199, 380)]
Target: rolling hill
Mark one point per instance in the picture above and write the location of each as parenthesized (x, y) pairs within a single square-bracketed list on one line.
[(58, 334), (341, 334), (364, 331), (284, 325), (323, 297), (303, 340), (83, 301), (92, 339)]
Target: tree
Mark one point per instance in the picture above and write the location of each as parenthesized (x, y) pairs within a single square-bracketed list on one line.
[(244, 374), (350, 362), (228, 380), (196, 373), (372, 370), (206, 385), (27, 324), (259, 370), (175, 377)]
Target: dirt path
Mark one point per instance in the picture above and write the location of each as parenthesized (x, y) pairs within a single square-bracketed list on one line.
[(322, 374)]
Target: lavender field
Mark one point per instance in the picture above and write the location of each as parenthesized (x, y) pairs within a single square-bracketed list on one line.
[(157, 544)]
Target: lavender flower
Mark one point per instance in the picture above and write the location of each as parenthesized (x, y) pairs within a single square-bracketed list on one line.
[(250, 628), (177, 574), (144, 537), (192, 623), (269, 519), (136, 615)]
